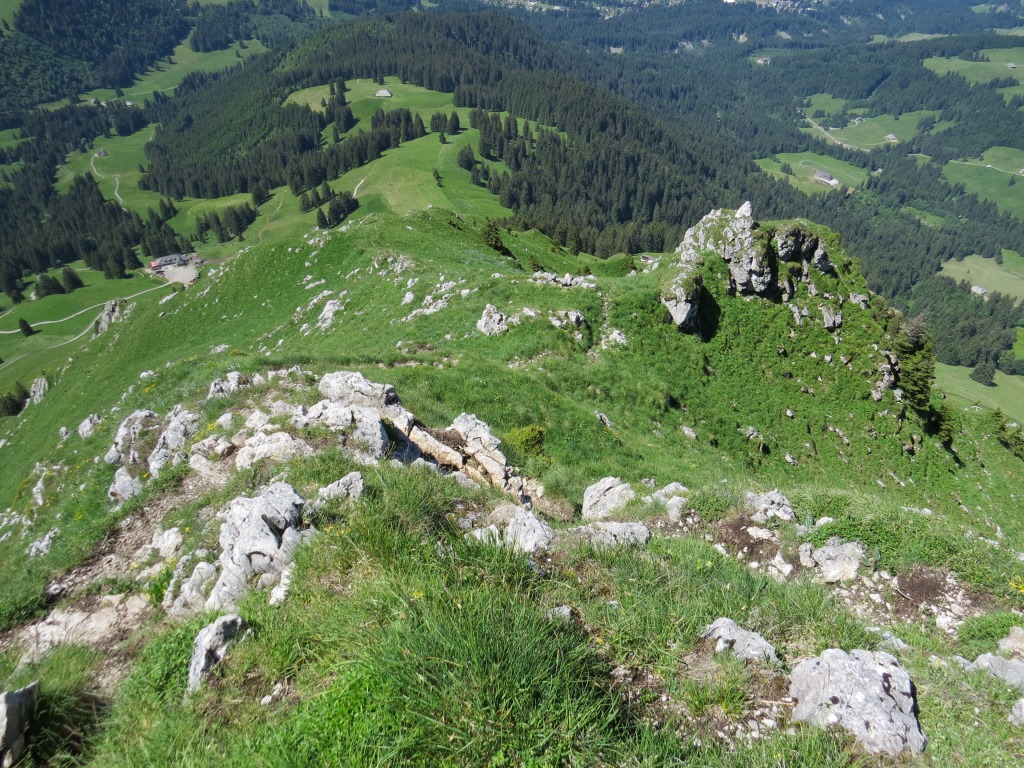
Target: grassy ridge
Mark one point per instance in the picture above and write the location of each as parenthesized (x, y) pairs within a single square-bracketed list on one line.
[(995, 68)]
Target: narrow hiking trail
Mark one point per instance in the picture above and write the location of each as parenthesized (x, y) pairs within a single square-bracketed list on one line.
[(82, 311)]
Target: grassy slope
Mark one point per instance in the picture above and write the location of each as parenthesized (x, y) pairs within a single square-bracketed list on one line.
[(1007, 277), (343, 666), (165, 75), (989, 177), (1007, 394), (985, 71), (54, 342)]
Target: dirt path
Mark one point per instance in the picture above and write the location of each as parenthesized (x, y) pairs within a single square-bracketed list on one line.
[(270, 219), (989, 166), (83, 311), (356, 190)]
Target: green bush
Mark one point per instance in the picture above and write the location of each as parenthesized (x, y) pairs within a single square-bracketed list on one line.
[(527, 441)]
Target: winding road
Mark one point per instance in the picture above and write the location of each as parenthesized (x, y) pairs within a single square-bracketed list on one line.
[(83, 311)]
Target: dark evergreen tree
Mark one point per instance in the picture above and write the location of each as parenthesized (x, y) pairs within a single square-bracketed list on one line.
[(70, 279), (24, 327)]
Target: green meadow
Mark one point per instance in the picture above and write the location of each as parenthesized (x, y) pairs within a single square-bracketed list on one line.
[(166, 74), (59, 322), (1007, 394), (990, 177), (805, 164), (872, 131), (1007, 277), (1001, 63)]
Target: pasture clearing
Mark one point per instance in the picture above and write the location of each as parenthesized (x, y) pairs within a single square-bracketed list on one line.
[(1007, 394), (1007, 277), (168, 73), (1001, 63), (996, 176), (806, 164)]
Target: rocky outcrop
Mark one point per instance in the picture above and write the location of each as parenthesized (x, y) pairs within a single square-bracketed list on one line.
[(124, 449), (181, 426), (744, 644), (492, 321), (276, 446), (606, 535), (258, 540), (124, 486), (485, 462), (526, 533), (566, 281), (1010, 671), (1013, 643), (230, 384), (606, 497), (867, 694), (113, 311), (38, 390), (837, 561), (567, 319), (212, 645), (349, 488), (768, 505), (16, 710), (832, 318), (88, 425)]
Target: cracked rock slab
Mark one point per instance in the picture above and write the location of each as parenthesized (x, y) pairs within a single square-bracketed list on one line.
[(869, 694), (606, 497)]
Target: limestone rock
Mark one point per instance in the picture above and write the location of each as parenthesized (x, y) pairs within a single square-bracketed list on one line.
[(837, 561), (526, 533), (1017, 713), (359, 427), (16, 710), (832, 318), (611, 534), (124, 450), (768, 505), (353, 389), (606, 497), (492, 321), (188, 597), (867, 694), (181, 426), (485, 461), (1010, 671), (682, 296), (1013, 643), (230, 384), (212, 645), (258, 540), (88, 425), (566, 318), (124, 486), (349, 488), (64, 434), (744, 644), (277, 447), (112, 313), (566, 281), (38, 390), (437, 450)]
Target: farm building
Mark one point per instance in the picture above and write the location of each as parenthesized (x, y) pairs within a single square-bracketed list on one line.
[(102, 153), (174, 260), (383, 93), (826, 178)]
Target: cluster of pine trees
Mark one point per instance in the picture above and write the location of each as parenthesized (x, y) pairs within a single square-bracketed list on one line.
[(231, 222)]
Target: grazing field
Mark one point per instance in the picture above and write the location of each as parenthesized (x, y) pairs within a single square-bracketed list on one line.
[(996, 176), (1007, 277), (9, 138), (1002, 63), (805, 164), (1007, 394), (118, 176), (403, 179), (825, 102), (168, 73), (875, 131), (61, 322)]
